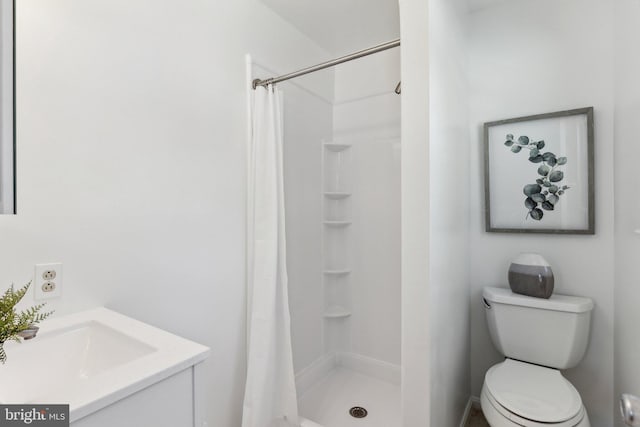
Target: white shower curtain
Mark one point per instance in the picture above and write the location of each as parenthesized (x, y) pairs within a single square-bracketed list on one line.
[(270, 398)]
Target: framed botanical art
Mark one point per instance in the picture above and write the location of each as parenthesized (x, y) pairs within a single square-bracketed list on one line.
[(539, 173)]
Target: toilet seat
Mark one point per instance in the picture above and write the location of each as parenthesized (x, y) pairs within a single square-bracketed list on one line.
[(498, 416), (532, 395)]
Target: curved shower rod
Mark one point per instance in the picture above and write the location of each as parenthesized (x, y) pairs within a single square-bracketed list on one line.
[(327, 64)]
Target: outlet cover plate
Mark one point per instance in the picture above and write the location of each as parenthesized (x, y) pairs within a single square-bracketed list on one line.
[(47, 276)]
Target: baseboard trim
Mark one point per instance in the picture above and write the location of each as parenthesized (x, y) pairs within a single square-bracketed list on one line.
[(467, 411), (475, 401)]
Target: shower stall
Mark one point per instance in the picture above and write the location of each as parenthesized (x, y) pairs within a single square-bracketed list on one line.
[(376, 293), (341, 161), (356, 371)]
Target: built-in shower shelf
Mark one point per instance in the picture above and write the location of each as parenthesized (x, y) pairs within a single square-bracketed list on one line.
[(336, 195), (332, 146), (337, 223), (337, 312), (337, 272)]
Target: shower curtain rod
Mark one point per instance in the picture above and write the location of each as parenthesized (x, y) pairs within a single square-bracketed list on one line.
[(322, 66)]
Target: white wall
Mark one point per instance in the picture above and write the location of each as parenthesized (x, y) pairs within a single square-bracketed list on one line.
[(415, 216), (449, 225), (627, 203), (532, 57), (132, 128), (367, 115)]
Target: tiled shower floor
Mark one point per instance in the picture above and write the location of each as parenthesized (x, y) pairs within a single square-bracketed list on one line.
[(328, 402)]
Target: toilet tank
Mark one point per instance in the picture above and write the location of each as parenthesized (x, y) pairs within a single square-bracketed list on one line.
[(550, 332)]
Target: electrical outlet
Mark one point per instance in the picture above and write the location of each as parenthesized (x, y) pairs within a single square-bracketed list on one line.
[(49, 274), (48, 287), (47, 282)]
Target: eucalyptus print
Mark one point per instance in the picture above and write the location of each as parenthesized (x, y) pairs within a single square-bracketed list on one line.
[(545, 193)]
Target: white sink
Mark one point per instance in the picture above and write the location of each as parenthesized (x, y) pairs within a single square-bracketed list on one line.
[(92, 359)]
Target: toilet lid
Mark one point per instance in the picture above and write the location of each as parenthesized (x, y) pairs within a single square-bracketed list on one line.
[(533, 392)]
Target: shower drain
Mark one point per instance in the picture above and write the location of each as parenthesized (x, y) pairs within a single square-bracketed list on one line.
[(358, 412)]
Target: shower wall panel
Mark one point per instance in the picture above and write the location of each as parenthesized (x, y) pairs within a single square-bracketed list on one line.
[(307, 123), (367, 115)]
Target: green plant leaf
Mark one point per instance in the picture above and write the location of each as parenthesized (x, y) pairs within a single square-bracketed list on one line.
[(12, 322), (523, 140), (562, 160), (553, 199), (541, 145), (534, 152), (516, 148), (508, 143), (548, 206)]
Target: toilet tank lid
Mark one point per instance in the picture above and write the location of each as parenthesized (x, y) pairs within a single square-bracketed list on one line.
[(566, 303)]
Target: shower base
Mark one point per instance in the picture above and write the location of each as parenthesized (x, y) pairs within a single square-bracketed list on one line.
[(328, 401)]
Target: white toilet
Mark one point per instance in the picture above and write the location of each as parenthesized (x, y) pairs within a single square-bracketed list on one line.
[(539, 337)]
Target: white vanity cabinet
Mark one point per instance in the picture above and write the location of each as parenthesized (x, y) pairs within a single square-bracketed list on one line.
[(112, 370), (168, 403)]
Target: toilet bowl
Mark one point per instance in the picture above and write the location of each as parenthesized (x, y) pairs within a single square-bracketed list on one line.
[(538, 337), (522, 394)]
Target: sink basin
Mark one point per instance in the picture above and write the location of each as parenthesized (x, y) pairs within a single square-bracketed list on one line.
[(92, 359)]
